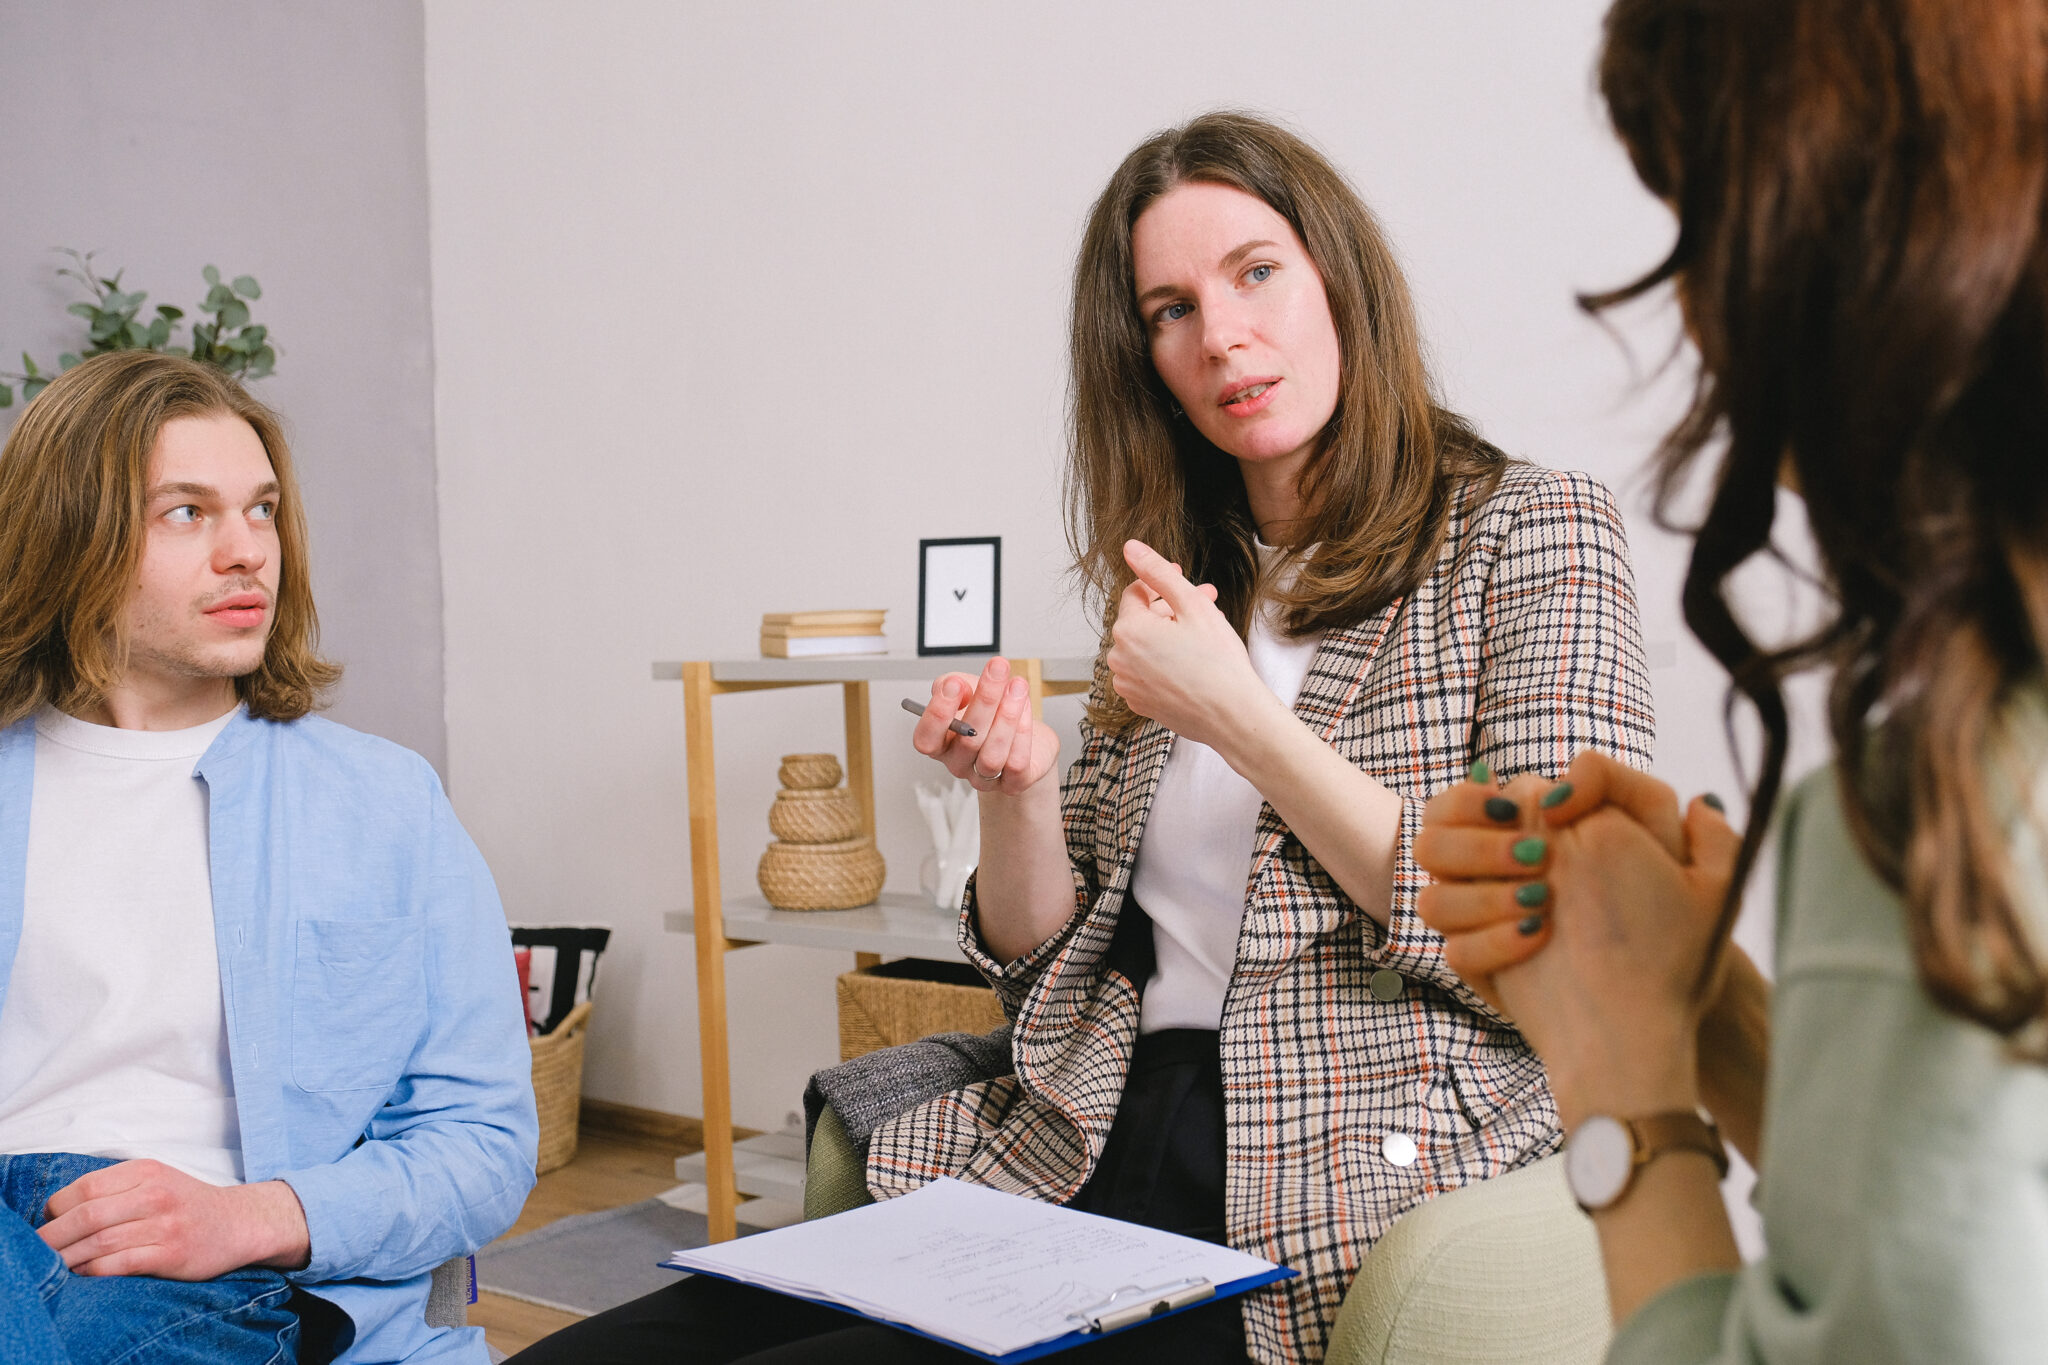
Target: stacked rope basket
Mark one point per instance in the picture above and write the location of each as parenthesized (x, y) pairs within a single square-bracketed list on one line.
[(820, 860)]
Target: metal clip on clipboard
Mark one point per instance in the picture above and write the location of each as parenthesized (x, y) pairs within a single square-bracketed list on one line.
[(1131, 1305)]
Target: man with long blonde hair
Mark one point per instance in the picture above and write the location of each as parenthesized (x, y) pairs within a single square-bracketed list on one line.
[(261, 1054)]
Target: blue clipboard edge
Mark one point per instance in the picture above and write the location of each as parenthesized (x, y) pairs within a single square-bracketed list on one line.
[(1043, 1348)]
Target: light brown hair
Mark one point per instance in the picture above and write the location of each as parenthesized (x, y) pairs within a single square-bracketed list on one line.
[(74, 478), (1380, 487), (1859, 186)]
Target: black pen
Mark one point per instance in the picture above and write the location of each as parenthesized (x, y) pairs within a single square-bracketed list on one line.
[(956, 725)]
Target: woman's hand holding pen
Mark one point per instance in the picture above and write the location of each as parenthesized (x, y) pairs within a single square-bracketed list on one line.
[(1024, 889), (1175, 658), (1009, 751)]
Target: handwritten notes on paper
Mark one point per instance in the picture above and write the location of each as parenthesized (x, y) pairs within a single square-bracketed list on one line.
[(993, 1272)]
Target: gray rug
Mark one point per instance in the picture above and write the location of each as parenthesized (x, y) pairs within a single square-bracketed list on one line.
[(593, 1261)]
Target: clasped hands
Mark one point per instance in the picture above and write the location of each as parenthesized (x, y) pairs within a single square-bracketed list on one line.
[(1173, 657), (1585, 911), (146, 1218)]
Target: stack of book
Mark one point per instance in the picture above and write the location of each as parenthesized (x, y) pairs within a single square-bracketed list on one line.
[(811, 634)]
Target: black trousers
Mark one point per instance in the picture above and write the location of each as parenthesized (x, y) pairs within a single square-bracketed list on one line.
[(1163, 1166)]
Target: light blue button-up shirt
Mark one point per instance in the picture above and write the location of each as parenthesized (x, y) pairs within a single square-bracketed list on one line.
[(375, 1029)]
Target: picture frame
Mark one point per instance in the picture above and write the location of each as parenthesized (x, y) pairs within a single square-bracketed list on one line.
[(960, 595)]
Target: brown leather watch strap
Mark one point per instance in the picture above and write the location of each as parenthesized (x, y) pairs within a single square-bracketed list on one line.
[(1677, 1131)]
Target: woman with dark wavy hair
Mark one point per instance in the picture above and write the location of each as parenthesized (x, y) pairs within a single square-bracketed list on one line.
[(1861, 188)]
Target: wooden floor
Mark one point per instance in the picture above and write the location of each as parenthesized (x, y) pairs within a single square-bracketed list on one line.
[(611, 1168)]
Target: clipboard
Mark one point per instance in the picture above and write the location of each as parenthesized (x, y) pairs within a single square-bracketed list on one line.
[(996, 1275), (1080, 1336)]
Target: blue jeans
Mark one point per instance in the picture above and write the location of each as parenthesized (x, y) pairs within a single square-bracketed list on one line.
[(49, 1316)]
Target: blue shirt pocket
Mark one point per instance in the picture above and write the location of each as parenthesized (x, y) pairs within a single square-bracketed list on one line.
[(358, 1002)]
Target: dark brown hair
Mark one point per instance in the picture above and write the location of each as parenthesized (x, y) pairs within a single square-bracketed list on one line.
[(1380, 487), (74, 478), (1859, 186)]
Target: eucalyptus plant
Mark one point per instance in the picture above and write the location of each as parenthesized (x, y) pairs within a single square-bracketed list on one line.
[(114, 322)]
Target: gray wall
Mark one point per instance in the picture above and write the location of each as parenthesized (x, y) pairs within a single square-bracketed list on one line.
[(285, 141)]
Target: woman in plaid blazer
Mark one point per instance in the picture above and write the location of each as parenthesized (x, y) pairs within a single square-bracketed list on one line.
[(1374, 600), (1463, 609)]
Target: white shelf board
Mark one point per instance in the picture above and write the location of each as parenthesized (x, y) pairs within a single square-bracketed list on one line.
[(895, 926), (865, 668), (770, 1166)]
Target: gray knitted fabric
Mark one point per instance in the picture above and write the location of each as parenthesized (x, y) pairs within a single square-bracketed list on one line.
[(872, 1089), (448, 1299)]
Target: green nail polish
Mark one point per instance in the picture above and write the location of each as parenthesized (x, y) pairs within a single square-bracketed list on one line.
[(1529, 852), (1479, 772), (1501, 809), (1715, 802), (1529, 895), (1556, 796), (1529, 925)]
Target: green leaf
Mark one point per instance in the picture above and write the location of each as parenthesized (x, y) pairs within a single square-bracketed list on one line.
[(137, 334), (6, 396), (262, 362), (83, 310), (67, 360), (217, 298), (177, 350), (211, 274), (28, 364), (246, 286), (31, 387), (164, 310), (234, 315), (159, 332), (104, 326), (255, 333)]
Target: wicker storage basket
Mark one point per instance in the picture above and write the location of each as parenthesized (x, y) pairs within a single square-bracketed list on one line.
[(558, 1088), (835, 876), (814, 816), (900, 1002), (801, 771)]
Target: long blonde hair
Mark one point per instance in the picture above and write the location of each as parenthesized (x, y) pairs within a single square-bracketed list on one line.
[(1379, 488), (73, 481)]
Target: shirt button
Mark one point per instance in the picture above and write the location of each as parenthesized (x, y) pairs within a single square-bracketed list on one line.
[(1387, 984), (1398, 1149)]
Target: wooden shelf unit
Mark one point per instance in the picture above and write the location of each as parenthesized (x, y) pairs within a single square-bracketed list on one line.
[(899, 926)]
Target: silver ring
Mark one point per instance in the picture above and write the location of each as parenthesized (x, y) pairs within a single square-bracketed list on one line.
[(985, 777)]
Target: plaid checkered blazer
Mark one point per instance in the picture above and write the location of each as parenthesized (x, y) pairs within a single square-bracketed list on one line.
[(1521, 648)]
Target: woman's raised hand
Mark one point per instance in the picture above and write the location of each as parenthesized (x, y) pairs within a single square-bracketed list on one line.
[(1173, 656), (1620, 893), (1009, 750)]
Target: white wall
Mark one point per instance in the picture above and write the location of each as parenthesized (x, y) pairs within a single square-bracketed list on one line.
[(289, 143), (735, 303)]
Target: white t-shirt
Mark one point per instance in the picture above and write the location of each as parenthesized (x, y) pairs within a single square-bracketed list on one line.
[(113, 1038), (1195, 860)]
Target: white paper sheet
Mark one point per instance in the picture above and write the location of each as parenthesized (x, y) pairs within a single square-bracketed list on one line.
[(994, 1272)]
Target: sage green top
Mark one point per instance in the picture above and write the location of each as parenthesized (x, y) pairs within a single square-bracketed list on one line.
[(1905, 1187)]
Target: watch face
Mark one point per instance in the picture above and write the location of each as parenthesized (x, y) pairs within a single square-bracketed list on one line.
[(1598, 1161)]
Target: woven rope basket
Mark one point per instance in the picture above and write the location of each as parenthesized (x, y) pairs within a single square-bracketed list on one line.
[(900, 1002), (801, 771), (835, 876), (558, 1088), (812, 816)]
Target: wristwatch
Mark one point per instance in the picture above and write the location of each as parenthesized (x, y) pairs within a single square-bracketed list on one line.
[(1604, 1153)]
